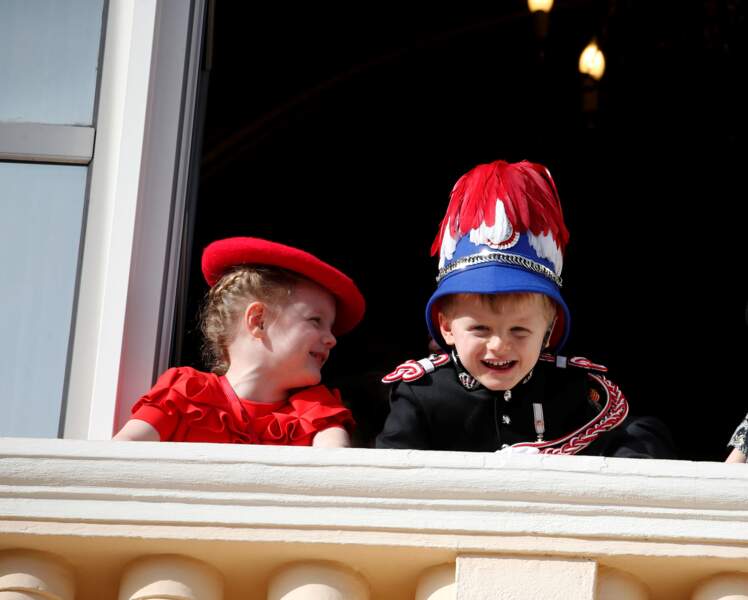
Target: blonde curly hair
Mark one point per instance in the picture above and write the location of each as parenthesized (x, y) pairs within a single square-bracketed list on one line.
[(228, 298)]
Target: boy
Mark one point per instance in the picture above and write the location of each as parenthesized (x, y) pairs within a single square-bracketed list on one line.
[(499, 314)]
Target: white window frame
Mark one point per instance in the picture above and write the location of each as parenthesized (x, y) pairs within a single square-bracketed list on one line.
[(41, 142), (136, 208)]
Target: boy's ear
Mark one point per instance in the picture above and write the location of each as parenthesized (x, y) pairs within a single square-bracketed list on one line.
[(254, 319), (445, 326), (549, 333)]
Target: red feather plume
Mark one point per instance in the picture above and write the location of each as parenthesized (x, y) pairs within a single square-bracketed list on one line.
[(527, 191)]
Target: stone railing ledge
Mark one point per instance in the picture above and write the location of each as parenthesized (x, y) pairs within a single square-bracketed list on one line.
[(363, 489)]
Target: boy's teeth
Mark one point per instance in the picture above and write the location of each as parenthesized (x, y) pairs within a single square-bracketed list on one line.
[(498, 363)]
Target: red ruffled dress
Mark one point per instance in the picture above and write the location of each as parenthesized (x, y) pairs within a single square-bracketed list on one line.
[(186, 405)]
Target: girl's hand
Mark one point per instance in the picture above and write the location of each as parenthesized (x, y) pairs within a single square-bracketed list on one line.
[(332, 437), (736, 456), (136, 430)]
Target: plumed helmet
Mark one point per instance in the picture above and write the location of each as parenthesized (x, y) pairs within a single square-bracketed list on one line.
[(503, 232)]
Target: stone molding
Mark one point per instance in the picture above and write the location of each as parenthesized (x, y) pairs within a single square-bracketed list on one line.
[(373, 490)]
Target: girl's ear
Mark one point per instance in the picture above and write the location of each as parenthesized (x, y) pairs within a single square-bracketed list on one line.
[(254, 319), (445, 326)]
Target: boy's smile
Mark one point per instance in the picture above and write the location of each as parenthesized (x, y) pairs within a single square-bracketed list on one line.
[(498, 346), (499, 365)]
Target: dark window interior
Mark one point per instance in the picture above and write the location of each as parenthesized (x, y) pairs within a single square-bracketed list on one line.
[(342, 130)]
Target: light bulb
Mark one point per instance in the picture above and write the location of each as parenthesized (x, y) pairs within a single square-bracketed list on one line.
[(592, 61)]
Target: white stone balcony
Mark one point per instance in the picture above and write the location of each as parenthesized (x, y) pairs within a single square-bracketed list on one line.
[(106, 520)]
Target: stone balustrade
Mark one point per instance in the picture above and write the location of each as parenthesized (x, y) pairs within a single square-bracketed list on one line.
[(100, 520), (33, 575)]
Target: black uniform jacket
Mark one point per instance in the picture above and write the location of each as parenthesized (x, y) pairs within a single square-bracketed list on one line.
[(437, 412)]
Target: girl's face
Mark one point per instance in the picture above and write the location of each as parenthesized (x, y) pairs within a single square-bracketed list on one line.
[(497, 347), (299, 337)]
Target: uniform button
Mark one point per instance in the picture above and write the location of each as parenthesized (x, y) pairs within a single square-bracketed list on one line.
[(506, 420)]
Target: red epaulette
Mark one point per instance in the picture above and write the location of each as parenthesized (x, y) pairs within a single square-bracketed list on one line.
[(411, 370), (575, 361)]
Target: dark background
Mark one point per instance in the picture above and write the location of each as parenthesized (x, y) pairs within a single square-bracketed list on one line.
[(342, 131)]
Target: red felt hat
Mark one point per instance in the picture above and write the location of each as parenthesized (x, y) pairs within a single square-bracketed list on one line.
[(220, 256)]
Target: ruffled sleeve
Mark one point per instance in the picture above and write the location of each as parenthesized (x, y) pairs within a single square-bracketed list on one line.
[(186, 405), (306, 413)]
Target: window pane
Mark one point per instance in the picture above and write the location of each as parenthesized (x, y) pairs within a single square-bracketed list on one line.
[(41, 211), (49, 52)]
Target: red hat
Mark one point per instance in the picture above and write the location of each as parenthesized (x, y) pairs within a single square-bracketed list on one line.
[(220, 256)]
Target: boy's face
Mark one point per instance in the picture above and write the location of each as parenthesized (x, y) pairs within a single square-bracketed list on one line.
[(498, 346)]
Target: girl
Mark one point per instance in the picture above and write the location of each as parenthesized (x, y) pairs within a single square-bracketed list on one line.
[(269, 321)]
